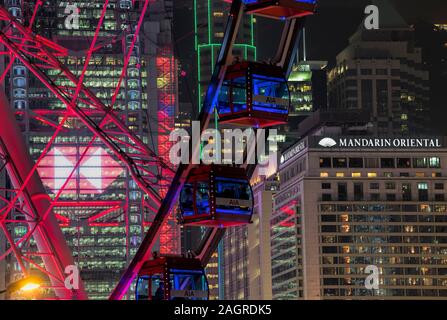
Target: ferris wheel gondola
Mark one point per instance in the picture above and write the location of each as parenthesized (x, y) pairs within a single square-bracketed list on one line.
[(216, 196), (172, 278)]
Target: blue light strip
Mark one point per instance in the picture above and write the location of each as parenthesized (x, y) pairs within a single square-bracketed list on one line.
[(235, 212), (272, 110)]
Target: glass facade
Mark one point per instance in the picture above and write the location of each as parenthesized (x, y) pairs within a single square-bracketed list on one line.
[(406, 242), (101, 209), (286, 249)]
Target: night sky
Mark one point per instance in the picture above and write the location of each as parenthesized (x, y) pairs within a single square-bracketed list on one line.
[(327, 34), (329, 29)]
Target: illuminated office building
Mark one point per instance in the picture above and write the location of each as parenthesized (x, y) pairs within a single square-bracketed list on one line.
[(101, 209), (349, 202), (308, 93), (301, 83)]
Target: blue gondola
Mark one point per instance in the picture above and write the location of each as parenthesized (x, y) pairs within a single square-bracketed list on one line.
[(254, 94), (216, 195), (281, 9), (172, 278)]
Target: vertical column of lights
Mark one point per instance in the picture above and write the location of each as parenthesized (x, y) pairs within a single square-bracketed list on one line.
[(166, 86), (212, 197), (166, 284), (19, 102), (132, 91), (103, 235)]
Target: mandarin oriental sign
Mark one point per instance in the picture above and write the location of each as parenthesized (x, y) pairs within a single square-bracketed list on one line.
[(367, 142)]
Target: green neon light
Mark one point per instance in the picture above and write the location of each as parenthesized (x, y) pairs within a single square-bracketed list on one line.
[(196, 40), (248, 49), (237, 45), (252, 30)]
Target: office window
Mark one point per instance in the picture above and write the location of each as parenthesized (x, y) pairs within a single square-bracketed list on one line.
[(406, 191), (339, 162), (436, 174), (358, 191), (342, 192), (325, 186), (367, 94), (382, 94), (19, 93), (423, 191), (366, 72), (423, 186), (388, 174), (390, 197), (372, 175), (372, 162), (356, 162), (404, 174), (390, 185), (404, 163), (434, 162), (439, 197), (326, 197), (420, 174), (324, 174), (340, 175), (374, 186), (375, 197), (439, 186), (325, 162), (420, 162), (387, 163), (356, 175)]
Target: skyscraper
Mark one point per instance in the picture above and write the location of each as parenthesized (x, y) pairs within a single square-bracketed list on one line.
[(308, 93), (101, 210), (382, 71), (350, 206)]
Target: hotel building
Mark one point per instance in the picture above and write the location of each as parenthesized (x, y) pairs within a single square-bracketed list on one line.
[(346, 203)]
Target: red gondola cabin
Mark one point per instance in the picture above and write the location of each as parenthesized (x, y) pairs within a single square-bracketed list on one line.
[(254, 94), (281, 9), (216, 196), (172, 278)]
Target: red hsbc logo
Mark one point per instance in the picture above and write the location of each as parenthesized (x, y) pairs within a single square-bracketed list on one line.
[(95, 173)]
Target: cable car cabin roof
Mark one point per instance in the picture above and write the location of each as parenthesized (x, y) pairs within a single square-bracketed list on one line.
[(159, 264), (202, 172), (241, 69), (281, 9)]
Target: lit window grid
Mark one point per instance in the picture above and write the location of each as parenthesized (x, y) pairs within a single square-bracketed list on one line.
[(412, 256)]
